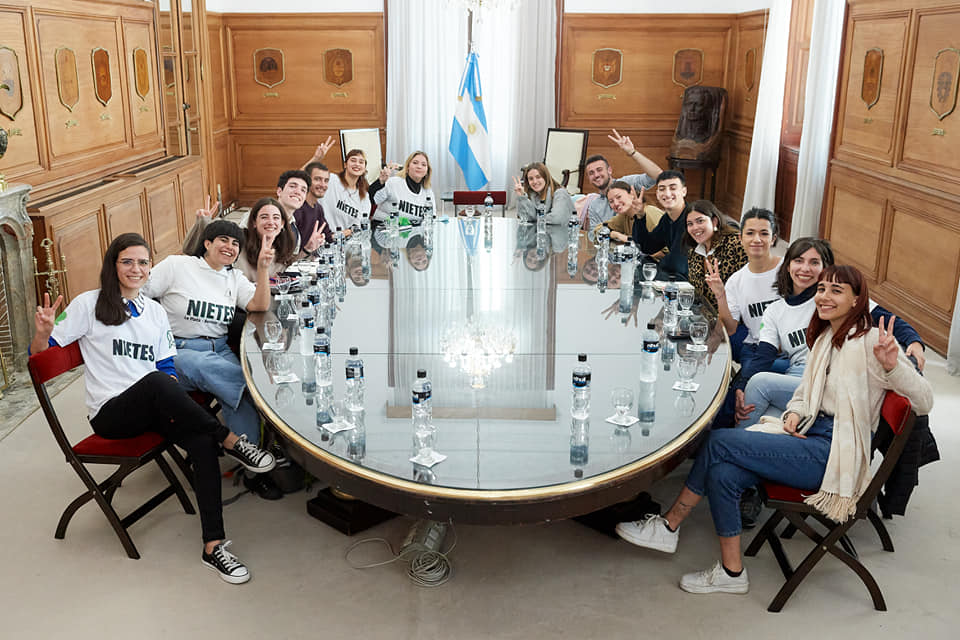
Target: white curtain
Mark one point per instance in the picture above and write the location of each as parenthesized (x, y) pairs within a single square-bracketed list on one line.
[(426, 52), (953, 347), (765, 147), (818, 103)]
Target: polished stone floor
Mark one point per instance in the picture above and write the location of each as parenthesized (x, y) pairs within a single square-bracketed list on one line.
[(547, 581)]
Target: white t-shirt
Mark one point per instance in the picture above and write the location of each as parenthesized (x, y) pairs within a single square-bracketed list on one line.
[(749, 294), (410, 205), (343, 207), (785, 327), (115, 356), (199, 300)]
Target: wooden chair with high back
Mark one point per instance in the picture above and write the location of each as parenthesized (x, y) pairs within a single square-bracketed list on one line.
[(128, 454)]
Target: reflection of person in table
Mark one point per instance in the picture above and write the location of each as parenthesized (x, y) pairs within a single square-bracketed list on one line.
[(132, 388), (417, 253), (537, 191), (200, 294), (821, 443)]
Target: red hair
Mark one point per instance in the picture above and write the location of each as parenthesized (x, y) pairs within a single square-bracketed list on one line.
[(858, 320)]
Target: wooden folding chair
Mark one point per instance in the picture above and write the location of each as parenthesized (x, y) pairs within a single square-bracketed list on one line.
[(128, 454), (788, 504)]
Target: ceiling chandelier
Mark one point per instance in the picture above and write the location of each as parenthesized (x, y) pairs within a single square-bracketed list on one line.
[(477, 348)]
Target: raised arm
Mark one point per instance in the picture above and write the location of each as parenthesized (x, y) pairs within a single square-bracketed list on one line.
[(320, 153), (647, 165), (261, 296)]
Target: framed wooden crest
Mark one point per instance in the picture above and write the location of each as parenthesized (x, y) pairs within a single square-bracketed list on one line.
[(141, 72), (68, 80), (943, 92), (872, 76), (102, 82), (750, 69), (607, 68), (338, 66), (268, 67), (687, 67), (11, 93)]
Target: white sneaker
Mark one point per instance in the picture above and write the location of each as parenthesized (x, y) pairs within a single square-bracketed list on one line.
[(651, 532), (715, 580)]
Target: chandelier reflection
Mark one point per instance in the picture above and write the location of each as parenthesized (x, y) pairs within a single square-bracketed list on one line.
[(477, 348)]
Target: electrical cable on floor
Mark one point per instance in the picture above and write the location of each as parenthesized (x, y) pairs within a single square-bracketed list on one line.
[(427, 565)]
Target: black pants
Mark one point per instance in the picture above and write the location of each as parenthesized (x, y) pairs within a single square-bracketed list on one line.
[(158, 403)]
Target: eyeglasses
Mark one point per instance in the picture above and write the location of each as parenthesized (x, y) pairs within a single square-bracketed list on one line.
[(129, 262)]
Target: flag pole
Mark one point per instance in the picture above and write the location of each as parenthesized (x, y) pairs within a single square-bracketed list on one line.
[(469, 31)]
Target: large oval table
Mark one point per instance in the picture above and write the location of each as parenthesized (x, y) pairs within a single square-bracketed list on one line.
[(506, 432)]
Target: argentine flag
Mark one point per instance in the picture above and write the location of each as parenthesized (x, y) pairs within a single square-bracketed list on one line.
[(469, 143)]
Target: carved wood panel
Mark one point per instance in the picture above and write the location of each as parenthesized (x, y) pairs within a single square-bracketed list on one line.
[(930, 141), (192, 197), (80, 241), (89, 126), (746, 61), (163, 204), (864, 130), (125, 215), (23, 154), (916, 234), (216, 70), (145, 110), (855, 228)]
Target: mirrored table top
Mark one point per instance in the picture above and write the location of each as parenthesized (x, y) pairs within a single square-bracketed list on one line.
[(503, 419)]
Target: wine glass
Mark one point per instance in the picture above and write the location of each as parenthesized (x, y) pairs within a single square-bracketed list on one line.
[(273, 329), (649, 271), (622, 399), (698, 333), (283, 285), (686, 369), (685, 298)]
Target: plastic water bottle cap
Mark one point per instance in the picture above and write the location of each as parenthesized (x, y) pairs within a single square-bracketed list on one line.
[(305, 303), (421, 373), (321, 329), (353, 351), (652, 325), (582, 357)]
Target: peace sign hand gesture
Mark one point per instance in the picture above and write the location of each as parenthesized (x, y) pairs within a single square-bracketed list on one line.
[(713, 279), (316, 237), (265, 259), (323, 148), (518, 185), (886, 350), (209, 212), (46, 316), (623, 142)]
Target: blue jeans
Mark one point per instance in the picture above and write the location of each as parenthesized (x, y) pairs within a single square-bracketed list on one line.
[(770, 392), (732, 460), (209, 365)]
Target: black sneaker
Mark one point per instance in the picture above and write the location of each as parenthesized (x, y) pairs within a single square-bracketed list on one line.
[(750, 506), (262, 485), (226, 564), (255, 459)]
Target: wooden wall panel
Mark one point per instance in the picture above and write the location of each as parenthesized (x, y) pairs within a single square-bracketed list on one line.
[(915, 233), (164, 204), (78, 240), (732, 174), (23, 152), (216, 72), (930, 144), (856, 233), (89, 126), (746, 64), (798, 55), (305, 97), (864, 131), (192, 196), (125, 215), (145, 111)]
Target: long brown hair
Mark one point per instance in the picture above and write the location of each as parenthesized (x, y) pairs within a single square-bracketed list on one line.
[(362, 179), (710, 210), (110, 309), (283, 244), (549, 184), (858, 319)]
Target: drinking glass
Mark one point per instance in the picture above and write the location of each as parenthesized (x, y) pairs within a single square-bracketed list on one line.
[(622, 399), (685, 298), (273, 329), (698, 333), (684, 404), (670, 318), (686, 369), (283, 284), (649, 271)]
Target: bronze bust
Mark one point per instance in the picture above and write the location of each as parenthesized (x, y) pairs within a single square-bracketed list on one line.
[(701, 122)]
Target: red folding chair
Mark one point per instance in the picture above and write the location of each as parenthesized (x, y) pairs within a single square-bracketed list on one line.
[(476, 198), (788, 504), (128, 454)]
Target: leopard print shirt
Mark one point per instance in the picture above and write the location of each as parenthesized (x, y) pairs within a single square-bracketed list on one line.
[(730, 256)]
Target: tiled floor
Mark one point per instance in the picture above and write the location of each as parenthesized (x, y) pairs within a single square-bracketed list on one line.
[(547, 581)]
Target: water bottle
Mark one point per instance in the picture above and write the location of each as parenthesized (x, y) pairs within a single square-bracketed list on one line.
[(573, 244), (341, 284), (313, 292), (488, 234), (394, 222), (307, 329), (628, 265), (603, 244), (668, 352), (670, 294), (354, 370), (428, 213), (322, 359), (424, 431), (357, 437), (338, 238), (428, 236), (309, 382), (541, 219), (488, 206), (324, 410), (580, 404), (646, 406), (579, 443), (650, 355), (542, 240), (602, 274)]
